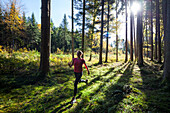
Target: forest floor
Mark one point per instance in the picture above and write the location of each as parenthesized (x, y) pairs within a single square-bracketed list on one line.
[(113, 87)]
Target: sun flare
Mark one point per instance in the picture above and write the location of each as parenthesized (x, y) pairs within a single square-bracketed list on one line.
[(135, 7)]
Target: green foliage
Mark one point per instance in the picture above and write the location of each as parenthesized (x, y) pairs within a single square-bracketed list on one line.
[(77, 40), (1, 24), (16, 30), (65, 35), (61, 37), (33, 34), (12, 25)]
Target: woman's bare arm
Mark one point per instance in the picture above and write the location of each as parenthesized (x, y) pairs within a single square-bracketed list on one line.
[(87, 68), (70, 63)]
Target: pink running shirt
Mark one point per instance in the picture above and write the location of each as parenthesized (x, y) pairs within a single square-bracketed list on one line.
[(78, 65)]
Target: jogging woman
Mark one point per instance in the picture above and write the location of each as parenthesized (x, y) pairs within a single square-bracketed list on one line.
[(78, 71)]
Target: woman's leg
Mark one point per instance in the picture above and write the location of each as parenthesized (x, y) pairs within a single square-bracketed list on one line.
[(78, 77), (81, 80)]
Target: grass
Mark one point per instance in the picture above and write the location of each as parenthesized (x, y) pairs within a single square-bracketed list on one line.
[(113, 86)]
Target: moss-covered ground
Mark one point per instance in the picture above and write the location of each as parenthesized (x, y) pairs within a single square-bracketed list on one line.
[(113, 86)]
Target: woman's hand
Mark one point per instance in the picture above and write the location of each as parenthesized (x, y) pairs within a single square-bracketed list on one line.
[(88, 72), (70, 64)]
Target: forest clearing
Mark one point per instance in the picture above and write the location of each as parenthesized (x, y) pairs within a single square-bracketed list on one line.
[(113, 87)]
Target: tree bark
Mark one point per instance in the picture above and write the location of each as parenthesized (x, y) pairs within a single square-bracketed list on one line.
[(164, 6), (156, 36), (101, 37), (146, 33), (94, 19), (126, 56), (116, 32), (167, 41), (45, 36), (151, 32), (131, 32), (134, 38), (159, 38), (107, 40), (83, 26), (139, 37), (72, 7)]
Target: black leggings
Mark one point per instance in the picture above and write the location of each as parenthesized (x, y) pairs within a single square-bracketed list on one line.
[(78, 80)]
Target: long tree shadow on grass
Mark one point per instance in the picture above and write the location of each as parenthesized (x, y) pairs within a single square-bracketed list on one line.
[(100, 77), (122, 65), (19, 81), (109, 101), (157, 97), (55, 97), (115, 93), (64, 106)]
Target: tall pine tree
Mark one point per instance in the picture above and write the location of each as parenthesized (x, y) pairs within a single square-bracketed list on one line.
[(33, 33), (66, 38)]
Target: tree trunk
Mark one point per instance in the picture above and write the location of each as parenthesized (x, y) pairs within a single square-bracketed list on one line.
[(116, 32), (50, 41), (72, 29), (134, 38), (45, 36), (94, 19), (164, 5), (156, 36), (126, 56), (107, 40), (83, 26), (101, 37), (146, 33), (151, 32), (131, 33), (167, 41), (159, 38), (139, 37)]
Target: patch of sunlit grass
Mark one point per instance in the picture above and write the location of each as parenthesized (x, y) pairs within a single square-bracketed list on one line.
[(106, 91)]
